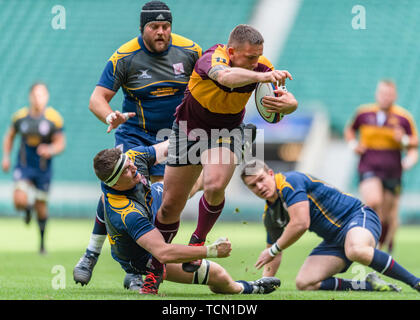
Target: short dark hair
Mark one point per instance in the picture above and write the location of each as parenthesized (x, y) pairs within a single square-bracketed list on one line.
[(104, 162), (244, 33)]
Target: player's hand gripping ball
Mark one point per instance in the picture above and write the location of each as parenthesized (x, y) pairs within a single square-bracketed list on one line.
[(262, 90)]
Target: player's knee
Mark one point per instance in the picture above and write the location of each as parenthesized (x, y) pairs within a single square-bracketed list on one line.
[(302, 283), (220, 277), (170, 209), (355, 253), (20, 200)]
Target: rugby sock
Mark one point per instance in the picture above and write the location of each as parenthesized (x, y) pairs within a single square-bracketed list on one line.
[(42, 223), (339, 284), (247, 288), (207, 217), (99, 227), (168, 231), (383, 263)]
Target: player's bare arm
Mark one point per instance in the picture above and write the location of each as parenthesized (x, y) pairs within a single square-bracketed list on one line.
[(238, 77), (299, 223), (161, 150), (99, 106), (7, 148), (354, 145), (154, 243), (57, 145)]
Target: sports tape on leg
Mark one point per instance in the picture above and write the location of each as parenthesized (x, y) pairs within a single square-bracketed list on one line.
[(201, 276)]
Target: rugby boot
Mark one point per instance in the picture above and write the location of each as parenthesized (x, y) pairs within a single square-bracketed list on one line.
[(379, 284), (193, 266), (82, 272), (152, 281), (265, 285), (133, 281)]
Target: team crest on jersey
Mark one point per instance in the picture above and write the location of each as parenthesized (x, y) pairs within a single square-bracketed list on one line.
[(144, 74), (24, 127), (178, 68), (44, 127)]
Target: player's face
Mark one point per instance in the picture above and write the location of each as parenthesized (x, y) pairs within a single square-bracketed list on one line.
[(157, 36), (38, 97), (262, 184), (385, 95), (129, 177), (245, 55)]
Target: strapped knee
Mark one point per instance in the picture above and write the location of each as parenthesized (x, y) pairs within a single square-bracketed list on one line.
[(201, 276)]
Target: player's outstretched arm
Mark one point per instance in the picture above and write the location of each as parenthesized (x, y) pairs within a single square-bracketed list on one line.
[(161, 150), (298, 224), (238, 77), (154, 243), (99, 106)]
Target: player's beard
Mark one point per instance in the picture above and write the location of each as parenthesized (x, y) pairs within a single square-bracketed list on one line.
[(159, 44)]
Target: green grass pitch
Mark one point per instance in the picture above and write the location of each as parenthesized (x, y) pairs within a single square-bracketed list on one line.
[(26, 275)]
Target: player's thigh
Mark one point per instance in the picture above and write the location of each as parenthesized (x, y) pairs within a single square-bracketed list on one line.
[(317, 268), (359, 245), (371, 191), (217, 170), (178, 181), (174, 273)]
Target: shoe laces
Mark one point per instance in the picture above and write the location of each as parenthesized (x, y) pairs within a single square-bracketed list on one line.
[(87, 261), (151, 283)]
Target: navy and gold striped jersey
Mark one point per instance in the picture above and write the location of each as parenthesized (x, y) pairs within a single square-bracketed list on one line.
[(330, 209), (34, 131), (128, 214), (153, 83)]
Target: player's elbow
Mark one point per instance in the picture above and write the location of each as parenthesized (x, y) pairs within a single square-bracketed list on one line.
[(93, 101), (163, 254), (226, 79)]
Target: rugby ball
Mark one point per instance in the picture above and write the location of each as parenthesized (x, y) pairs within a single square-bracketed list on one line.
[(262, 90)]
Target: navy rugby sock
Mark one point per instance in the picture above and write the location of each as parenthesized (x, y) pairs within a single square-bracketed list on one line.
[(42, 223), (99, 226), (248, 288), (339, 284), (383, 263)]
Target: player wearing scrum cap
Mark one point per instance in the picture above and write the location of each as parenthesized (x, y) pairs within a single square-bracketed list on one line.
[(153, 70), (131, 203)]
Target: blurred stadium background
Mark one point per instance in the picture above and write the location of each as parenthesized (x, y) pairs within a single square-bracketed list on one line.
[(335, 69)]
